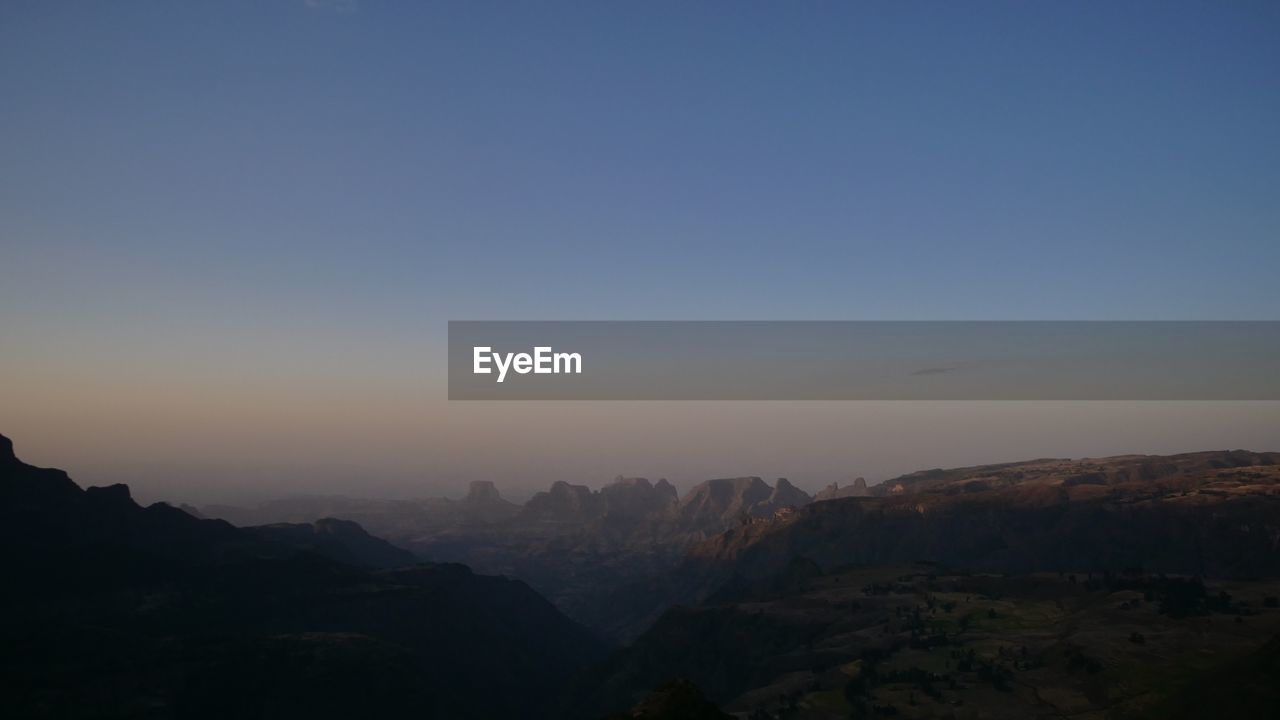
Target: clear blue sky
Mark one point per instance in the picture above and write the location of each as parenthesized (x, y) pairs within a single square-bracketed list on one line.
[(236, 194)]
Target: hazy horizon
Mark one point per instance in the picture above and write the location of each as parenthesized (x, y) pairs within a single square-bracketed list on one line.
[(841, 441)]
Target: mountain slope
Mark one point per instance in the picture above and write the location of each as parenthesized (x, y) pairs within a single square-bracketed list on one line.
[(340, 540), (114, 610), (1215, 514)]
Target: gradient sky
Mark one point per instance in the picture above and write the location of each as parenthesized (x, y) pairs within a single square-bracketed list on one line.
[(231, 233)]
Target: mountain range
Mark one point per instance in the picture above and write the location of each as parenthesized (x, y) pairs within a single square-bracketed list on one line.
[(1097, 587)]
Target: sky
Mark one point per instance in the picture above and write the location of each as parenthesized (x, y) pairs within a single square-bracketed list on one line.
[(231, 234)]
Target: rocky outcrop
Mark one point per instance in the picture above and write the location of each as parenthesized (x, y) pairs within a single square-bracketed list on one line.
[(717, 504), (625, 500), (833, 491), (563, 504), (482, 492), (637, 498), (483, 505), (666, 490), (787, 495)]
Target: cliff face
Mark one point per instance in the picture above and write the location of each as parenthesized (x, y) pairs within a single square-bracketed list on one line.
[(637, 498), (482, 492), (1214, 514), (787, 495), (1202, 513), (716, 505), (563, 504), (483, 504), (666, 491)]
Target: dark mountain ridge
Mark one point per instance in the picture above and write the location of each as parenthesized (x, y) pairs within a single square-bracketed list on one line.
[(123, 611), (341, 540)]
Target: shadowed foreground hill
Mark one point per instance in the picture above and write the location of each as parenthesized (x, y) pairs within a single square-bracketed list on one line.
[(115, 610), (341, 540)]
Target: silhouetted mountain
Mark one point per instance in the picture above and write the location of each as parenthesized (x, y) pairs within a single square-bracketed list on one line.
[(386, 518), (1047, 587), (340, 540), (114, 610)]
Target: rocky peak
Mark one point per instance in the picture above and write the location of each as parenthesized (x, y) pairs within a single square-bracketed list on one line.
[(568, 491), (632, 481), (115, 494), (6, 451), (717, 504), (785, 494), (636, 497), (834, 491), (563, 503), (482, 492), (666, 489)]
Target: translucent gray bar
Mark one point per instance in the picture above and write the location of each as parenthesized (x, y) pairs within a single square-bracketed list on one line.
[(856, 360)]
